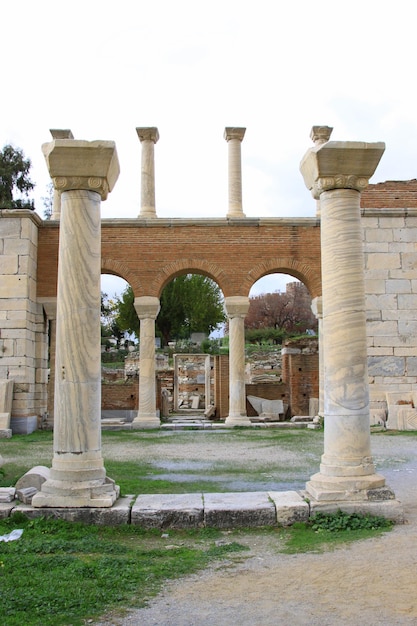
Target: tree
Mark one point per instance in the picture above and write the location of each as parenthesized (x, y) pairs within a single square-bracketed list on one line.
[(189, 303), (289, 311), (14, 177), (48, 202)]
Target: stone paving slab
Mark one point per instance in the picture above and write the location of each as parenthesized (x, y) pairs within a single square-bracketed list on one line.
[(168, 511), (233, 510), (290, 507), (116, 515)]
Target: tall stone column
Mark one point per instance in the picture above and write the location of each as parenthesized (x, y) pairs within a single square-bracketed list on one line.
[(337, 172), (317, 308), (84, 172), (58, 133), (148, 138), (234, 138), (147, 308), (236, 309)]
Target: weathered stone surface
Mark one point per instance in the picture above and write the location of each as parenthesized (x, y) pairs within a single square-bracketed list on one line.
[(7, 494), (168, 511), (116, 515), (232, 510), (386, 366), (290, 507), (26, 494), (390, 509), (35, 477)]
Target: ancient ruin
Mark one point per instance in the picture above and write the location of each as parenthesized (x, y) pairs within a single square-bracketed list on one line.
[(356, 258)]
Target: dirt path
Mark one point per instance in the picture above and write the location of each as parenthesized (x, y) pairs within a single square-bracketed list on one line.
[(371, 582)]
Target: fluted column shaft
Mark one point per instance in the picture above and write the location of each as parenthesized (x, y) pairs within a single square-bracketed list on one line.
[(234, 138), (148, 138), (147, 308), (236, 309), (78, 477)]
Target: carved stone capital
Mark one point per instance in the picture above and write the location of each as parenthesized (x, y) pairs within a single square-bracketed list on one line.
[(234, 133), (236, 306), (147, 307), (75, 164), (148, 133), (88, 183), (321, 134), (340, 165), (339, 181)]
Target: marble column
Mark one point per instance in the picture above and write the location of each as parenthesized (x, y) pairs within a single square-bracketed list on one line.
[(337, 172), (147, 308), (317, 308), (234, 138), (58, 133), (84, 172), (236, 309), (148, 138)]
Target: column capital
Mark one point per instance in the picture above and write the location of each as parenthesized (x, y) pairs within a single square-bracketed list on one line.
[(148, 133), (147, 307), (320, 134), (79, 165), (230, 132), (236, 306), (340, 165)]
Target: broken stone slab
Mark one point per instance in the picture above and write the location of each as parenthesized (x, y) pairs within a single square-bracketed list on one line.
[(210, 411), (26, 494), (290, 507), (6, 509), (35, 477), (269, 409), (232, 510), (168, 511), (116, 515), (7, 494)]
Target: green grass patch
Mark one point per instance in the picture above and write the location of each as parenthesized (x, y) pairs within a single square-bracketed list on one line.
[(326, 531), (64, 573)]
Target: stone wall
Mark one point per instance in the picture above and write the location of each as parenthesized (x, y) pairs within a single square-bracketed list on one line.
[(23, 325), (390, 237)]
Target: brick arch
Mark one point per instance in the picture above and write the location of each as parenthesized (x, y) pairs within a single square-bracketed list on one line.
[(118, 268), (309, 275), (188, 266)]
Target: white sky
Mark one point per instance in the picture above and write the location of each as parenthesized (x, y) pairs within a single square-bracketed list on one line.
[(191, 68)]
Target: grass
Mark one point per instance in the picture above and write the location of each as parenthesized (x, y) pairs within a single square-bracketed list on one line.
[(61, 573)]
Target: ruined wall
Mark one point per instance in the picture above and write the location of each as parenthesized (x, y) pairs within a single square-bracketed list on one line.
[(23, 326), (390, 236)]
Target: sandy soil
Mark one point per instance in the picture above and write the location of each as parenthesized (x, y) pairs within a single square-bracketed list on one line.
[(371, 582)]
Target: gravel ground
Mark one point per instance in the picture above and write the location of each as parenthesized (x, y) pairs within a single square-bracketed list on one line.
[(370, 582)]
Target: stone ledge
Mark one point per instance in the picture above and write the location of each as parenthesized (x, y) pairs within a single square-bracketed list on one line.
[(217, 510)]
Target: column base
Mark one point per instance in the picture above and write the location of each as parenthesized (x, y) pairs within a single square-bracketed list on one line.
[(237, 420), (67, 494), (146, 422), (349, 488), (235, 215)]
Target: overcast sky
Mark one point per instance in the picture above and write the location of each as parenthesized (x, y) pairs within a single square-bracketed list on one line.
[(191, 68)]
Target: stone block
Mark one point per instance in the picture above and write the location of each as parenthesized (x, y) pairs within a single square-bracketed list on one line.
[(290, 507), (35, 477), (9, 264), (7, 494), (386, 366), (168, 511), (390, 509), (385, 260), (13, 286), (115, 515), (5, 433), (26, 494), (6, 509), (24, 425), (233, 510)]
